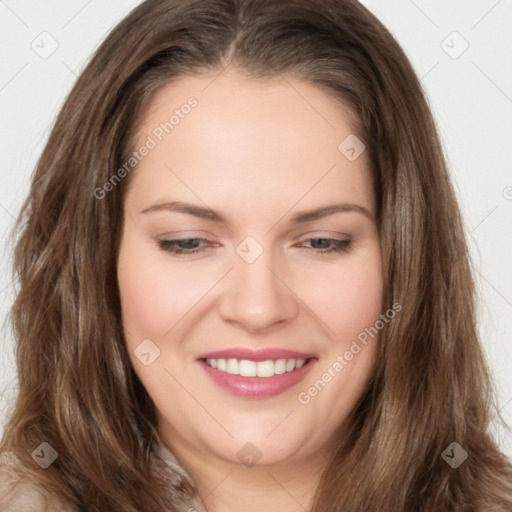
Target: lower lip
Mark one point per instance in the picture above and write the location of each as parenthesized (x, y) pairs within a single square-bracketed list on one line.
[(257, 387)]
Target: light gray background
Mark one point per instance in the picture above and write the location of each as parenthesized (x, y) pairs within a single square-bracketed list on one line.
[(470, 91)]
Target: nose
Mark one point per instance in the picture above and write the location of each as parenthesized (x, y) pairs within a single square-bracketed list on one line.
[(256, 296)]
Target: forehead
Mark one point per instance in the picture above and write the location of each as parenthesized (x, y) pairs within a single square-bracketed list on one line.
[(258, 106), (256, 138)]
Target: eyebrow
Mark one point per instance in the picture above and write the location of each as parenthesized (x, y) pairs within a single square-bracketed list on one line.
[(191, 209), (319, 213), (299, 218)]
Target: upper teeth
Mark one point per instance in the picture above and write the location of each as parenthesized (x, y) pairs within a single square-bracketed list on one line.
[(247, 368)]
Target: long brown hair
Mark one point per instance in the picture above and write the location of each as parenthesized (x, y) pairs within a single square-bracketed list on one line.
[(77, 389)]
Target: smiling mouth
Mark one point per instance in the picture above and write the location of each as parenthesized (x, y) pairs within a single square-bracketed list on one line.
[(248, 368), (259, 374)]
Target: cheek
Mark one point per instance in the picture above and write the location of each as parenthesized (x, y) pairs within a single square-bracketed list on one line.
[(155, 292), (349, 302), (358, 304), (150, 304), (346, 297)]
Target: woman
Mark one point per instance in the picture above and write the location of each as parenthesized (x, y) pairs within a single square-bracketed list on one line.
[(243, 277)]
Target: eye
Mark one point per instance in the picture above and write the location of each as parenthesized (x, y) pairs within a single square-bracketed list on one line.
[(183, 245), (186, 246), (328, 245)]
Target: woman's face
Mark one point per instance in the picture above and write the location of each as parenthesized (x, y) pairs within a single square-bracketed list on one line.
[(249, 248)]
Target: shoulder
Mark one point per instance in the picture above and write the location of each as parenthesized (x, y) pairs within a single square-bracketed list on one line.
[(19, 494)]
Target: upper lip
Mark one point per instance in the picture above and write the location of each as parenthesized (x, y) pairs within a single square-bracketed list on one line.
[(256, 355)]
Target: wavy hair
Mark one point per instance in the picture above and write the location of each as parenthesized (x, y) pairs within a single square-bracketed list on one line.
[(77, 390)]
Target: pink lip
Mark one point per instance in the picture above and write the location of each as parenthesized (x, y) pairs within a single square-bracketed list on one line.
[(256, 355), (257, 387)]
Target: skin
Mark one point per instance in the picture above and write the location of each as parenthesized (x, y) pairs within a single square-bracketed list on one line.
[(258, 152)]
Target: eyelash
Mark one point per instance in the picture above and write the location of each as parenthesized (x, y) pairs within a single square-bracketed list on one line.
[(172, 247)]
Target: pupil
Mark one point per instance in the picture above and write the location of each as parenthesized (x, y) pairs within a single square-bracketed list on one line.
[(190, 243), (321, 243)]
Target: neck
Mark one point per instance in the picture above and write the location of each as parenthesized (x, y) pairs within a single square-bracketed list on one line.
[(225, 486)]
